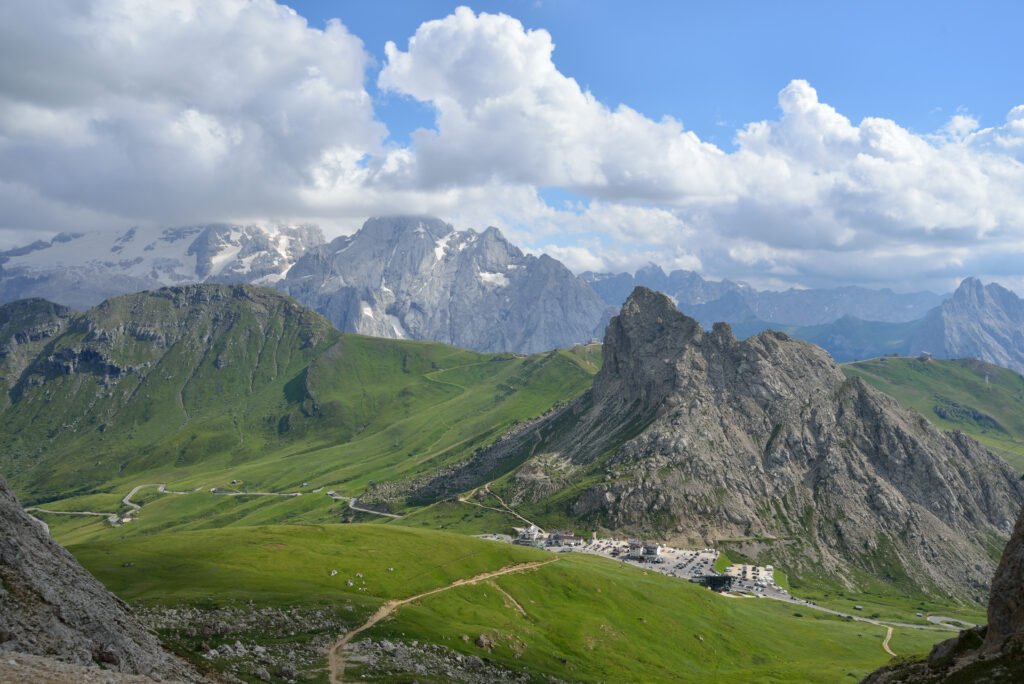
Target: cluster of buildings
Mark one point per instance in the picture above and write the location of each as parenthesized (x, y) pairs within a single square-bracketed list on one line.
[(645, 552), (535, 536)]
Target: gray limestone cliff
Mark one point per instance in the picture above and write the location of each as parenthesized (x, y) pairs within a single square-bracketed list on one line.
[(50, 606), (979, 321), (418, 278)]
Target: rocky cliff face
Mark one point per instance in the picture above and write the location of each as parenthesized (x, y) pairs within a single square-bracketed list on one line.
[(50, 606), (979, 321), (26, 327), (700, 435), (1006, 607), (418, 278)]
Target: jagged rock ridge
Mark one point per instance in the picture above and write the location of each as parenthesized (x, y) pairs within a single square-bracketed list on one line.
[(50, 606), (709, 301), (695, 433)]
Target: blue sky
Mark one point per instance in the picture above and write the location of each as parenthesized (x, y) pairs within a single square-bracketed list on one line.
[(785, 144), (718, 65)]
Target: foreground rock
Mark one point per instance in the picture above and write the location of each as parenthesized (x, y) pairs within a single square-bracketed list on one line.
[(50, 606), (21, 668), (695, 435), (984, 654)]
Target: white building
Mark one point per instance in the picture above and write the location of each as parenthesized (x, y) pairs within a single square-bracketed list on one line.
[(530, 536), (648, 552)]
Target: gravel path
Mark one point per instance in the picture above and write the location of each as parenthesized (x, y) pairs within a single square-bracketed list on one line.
[(885, 644), (335, 656)]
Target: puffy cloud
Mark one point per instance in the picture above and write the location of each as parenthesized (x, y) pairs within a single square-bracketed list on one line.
[(809, 183), (506, 114), (178, 110)]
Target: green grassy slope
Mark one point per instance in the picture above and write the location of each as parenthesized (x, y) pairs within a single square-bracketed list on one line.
[(289, 564), (982, 400), (225, 383), (586, 618), (590, 619)]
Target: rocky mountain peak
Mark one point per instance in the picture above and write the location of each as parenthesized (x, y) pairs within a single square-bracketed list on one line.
[(641, 346), (979, 321), (411, 227), (700, 434), (969, 290), (417, 277)]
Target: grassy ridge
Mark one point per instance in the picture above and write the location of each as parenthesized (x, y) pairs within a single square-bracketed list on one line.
[(982, 400)]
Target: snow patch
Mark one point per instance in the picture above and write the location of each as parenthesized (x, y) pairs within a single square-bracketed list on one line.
[(396, 325), (441, 246), (496, 279)]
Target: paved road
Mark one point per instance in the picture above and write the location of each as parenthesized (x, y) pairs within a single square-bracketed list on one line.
[(951, 622), (356, 507), (108, 516), (134, 508), (220, 493), (335, 656)]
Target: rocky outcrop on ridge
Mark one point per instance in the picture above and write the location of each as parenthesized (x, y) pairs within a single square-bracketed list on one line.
[(26, 327), (50, 606)]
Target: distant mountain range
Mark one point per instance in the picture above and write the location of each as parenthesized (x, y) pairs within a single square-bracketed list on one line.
[(713, 301), (418, 278)]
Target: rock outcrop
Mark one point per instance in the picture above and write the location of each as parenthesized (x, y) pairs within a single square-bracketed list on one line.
[(26, 327), (50, 606), (696, 434)]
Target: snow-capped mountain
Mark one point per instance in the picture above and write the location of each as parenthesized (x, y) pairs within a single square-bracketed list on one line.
[(419, 278), (81, 270)]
